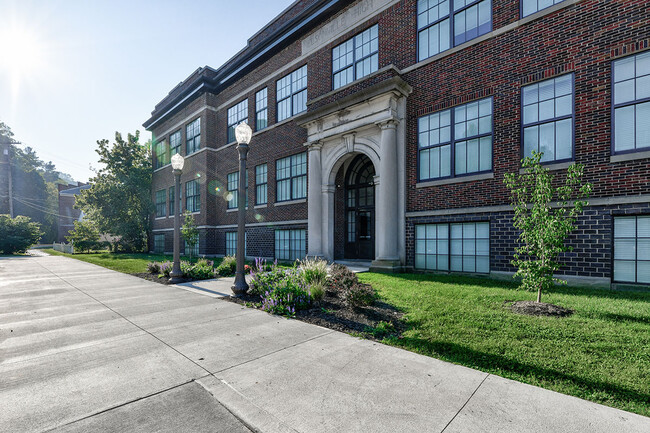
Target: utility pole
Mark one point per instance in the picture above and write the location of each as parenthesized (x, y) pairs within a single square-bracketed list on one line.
[(6, 144)]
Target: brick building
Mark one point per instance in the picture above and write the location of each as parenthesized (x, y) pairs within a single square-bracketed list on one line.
[(383, 130), (68, 214)]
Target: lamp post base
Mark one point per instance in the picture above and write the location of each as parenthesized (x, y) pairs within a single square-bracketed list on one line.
[(175, 277), (241, 286)]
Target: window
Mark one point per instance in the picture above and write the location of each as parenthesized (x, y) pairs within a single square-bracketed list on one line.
[(290, 244), (171, 201), (529, 7), (192, 196), (632, 249), (161, 203), (175, 143), (261, 111), (162, 158), (236, 115), (356, 57), (193, 136), (547, 119), (192, 251), (159, 244), (233, 190), (292, 94), (446, 23), (463, 247), (231, 243), (632, 103), (456, 141), (291, 177), (260, 184)]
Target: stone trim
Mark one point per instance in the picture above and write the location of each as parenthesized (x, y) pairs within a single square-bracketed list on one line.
[(552, 167), (454, 180), (632, 156), (288, 202)]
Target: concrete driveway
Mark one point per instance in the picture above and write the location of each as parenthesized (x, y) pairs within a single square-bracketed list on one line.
[(85, 349)]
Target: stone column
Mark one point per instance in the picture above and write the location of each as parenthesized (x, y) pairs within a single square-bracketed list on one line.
[(328, 221), (387, 255), (314, 201)]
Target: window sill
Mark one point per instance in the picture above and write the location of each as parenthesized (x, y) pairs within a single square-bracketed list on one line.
[(454, 180), (552, 167), (235, 209), (632, 156), (160, 218), (260, 206), (288, 202)]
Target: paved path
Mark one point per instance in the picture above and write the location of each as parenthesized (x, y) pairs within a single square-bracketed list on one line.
[(86, 349)]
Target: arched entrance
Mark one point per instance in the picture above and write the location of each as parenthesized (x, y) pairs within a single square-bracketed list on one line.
[(360, 209)]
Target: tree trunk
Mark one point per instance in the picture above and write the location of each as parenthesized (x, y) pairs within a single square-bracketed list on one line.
[(539, 294)]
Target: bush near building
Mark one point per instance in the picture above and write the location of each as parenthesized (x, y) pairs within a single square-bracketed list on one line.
[(18, 234)]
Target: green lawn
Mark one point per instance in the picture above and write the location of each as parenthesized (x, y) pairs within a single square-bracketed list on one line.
[(600, 353), (127, 263)]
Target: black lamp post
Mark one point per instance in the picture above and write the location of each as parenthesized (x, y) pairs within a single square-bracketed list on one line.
[(177, 166), (243, 132)]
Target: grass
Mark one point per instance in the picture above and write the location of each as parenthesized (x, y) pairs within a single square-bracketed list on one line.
[(600, 353), (122, 262)]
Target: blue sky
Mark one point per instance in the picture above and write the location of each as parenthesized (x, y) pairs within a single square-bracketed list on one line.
[(73, 72)]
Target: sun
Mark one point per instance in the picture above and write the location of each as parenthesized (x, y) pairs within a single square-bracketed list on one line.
[(23, 54)]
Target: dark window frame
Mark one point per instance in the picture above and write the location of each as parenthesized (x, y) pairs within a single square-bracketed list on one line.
[(172, 200), (452, 143), (233, 118), (293, 254), (231, 248), (292, 178), (551, 120), (161, 206), (293, 93), (175, 138), (356, 61), (261, 185), (265, 109), (521, 8), (195, 199), (165, 160), (234, 202), (195, 139), (636, 252), (156, 238)]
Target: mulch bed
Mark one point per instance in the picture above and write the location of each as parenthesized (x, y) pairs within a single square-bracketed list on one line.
[(155, 279), (332, 313), (532, 308)]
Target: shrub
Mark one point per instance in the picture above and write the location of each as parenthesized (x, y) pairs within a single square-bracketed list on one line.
[(85, 236), (201, 270), (153, 267), (313, 270), (359, 295), (166, 269), (18, 234), (287, 298), (228, 267), (317, 291), (267, 281), (341, 279)]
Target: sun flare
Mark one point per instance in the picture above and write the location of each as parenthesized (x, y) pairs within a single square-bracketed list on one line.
[(23, 54)]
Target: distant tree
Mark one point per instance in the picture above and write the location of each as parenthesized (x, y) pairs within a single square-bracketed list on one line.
[(544, 228), (119, 199), (18, 234), (189, 231), (85, 236)]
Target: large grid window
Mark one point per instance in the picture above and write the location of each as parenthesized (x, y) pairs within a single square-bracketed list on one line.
[(632, 249), (547, 119), (162, 157), (290, 244), (460, 247), (291, 177), (446, 23), (161, 203), (632, 103), (172, 201), (192, 196), (231, 243), (236, 114), (356, 57), (261, 172), (159, 244), (233, 190), (175, 143), (193, 136), (456, 142), (292, 94), (261, 109), (192, 251), (529, 7)]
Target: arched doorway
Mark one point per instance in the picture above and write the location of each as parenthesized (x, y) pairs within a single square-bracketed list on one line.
[(360, 209)]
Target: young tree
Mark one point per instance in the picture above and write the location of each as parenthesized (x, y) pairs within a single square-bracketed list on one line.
[(119, 199), (189, 231), (18, 234), (85, 235), (544, 228)]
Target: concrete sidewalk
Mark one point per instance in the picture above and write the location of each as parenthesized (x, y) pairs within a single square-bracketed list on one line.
[(83, 349)]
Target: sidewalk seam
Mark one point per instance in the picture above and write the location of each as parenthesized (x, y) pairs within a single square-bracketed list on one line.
[(465, 404)]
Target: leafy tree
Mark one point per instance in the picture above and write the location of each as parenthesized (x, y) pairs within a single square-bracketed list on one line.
[(119, 200), (18, 234), (544, 228), (189, 231), (85, 236)]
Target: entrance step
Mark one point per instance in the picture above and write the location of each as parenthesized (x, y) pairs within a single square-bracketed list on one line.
[(356, 266)]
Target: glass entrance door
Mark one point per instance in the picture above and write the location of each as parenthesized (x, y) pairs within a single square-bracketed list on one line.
[(360, 210)]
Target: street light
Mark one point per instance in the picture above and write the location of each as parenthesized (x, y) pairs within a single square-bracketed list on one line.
[(243, 133), (177, 168)]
